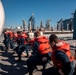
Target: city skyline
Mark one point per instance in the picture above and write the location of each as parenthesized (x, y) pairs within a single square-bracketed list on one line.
[(43, 10)]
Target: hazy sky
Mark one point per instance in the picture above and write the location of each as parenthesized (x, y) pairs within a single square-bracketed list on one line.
[(15, 10)]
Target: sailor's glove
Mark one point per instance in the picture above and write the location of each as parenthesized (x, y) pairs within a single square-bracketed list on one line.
[(44, 58)]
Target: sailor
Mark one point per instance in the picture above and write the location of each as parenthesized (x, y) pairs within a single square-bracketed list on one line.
[(61, 56), (10, 35), (6, 39), (41, 52)]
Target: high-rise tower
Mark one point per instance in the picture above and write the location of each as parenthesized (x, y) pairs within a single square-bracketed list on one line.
[(41, 24), (31, 22), (48, 24), (24, 24)]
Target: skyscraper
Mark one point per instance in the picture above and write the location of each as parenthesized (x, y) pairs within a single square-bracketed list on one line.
[(24, 24), (48, 24), (31, 22)]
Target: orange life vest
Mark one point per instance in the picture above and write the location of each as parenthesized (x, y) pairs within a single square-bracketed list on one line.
[(15, 35), (23, 36), (19, 36), (64, 47), (32, 41), (10, 34), (23, 32), (18, 39), (44, 46)]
